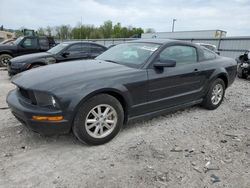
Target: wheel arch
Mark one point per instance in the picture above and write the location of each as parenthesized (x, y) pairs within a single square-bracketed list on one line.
[(7, 52), (124, 101), (224, 77)]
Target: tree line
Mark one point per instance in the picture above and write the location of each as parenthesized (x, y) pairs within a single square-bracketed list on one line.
[(106, 30)]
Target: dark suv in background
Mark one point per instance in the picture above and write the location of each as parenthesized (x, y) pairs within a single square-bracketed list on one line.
[(24, 45), (66, 51)]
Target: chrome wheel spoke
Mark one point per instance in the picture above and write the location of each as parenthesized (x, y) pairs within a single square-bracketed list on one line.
[(94, 113), (106, 111), (99, 111), (110, 121), (97, 128), (91, 125), (91, 120), (101, 130), (107, 125)]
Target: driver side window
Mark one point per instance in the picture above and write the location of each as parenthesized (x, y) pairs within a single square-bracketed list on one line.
[(180, 54), (30, 43)]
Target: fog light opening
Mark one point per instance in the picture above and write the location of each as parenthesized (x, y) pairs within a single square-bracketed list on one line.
[(47, 118)]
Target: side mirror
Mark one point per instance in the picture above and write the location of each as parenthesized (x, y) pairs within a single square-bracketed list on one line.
[(65, 54), (165, 63)]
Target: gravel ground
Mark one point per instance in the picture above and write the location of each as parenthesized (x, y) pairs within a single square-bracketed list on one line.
[(189, 148)]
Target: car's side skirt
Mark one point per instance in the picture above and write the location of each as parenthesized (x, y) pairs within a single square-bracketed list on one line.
[(150, 115)]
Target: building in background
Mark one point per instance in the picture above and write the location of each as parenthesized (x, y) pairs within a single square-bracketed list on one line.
[(186, 34)]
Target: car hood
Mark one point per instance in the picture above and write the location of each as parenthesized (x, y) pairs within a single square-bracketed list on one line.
[(25, 58), (66, 75), (7, 47)]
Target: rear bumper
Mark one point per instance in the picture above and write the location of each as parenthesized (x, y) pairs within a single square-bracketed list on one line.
[(24, 112)]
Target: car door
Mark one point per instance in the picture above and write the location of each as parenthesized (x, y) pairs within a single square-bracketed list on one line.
[(28, 45), (75, 52), (172, 86)]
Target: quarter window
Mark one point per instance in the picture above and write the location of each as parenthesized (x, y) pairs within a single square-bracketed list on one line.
[(208, 55), (180, 54)]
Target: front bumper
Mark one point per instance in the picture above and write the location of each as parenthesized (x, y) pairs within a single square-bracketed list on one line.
[(24, 112), (13, 71)]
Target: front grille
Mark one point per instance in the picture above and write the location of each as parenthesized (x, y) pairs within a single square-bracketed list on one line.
[(24, 93), (27, 95)]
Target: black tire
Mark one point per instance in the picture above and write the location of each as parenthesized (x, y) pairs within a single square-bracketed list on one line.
[(240, 73), (79, 125), (207, 102), (4, 59)]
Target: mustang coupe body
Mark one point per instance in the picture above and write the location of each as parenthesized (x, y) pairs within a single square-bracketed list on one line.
[(134, 80)]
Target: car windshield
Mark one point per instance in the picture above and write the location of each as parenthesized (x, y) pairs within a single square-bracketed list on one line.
[(18, 40), (58, 48), (130, 54)]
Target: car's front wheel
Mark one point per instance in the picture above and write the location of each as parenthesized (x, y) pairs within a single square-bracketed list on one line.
[(4, 59), (215, 95), (98, 120)]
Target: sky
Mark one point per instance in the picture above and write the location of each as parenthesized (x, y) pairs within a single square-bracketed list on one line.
[(232, 16)]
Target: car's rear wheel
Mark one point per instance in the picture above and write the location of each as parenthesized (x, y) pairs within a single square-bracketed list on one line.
[(98, 120), (4, 59), (215, 95)]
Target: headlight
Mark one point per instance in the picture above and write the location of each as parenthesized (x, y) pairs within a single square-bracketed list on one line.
[(16, 65), (50, 60), (46, 100)]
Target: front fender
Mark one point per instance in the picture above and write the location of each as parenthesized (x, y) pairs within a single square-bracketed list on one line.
[(82, 94), (6, 52)]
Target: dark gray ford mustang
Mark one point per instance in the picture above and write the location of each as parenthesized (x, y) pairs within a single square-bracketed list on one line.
[(134, 80)]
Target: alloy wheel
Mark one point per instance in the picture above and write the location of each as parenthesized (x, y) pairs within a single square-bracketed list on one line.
[(217, 94), (101, 121)]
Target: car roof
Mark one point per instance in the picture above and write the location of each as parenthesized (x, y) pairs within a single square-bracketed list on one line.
[(75, 42), (165, 41), (156, 41)]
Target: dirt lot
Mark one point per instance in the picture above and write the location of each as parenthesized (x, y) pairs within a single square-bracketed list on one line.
[(190, 148)]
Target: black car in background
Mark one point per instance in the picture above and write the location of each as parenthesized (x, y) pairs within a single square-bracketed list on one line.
[(66, 51), (134, 80), (24, 45), (243, 65)]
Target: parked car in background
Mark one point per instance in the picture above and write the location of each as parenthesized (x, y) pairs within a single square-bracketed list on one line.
[(24, 45), (65, 51), (210, 47), (243, 65), (134, 80)]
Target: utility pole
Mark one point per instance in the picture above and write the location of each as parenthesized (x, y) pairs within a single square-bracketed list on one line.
[(174, 20)]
